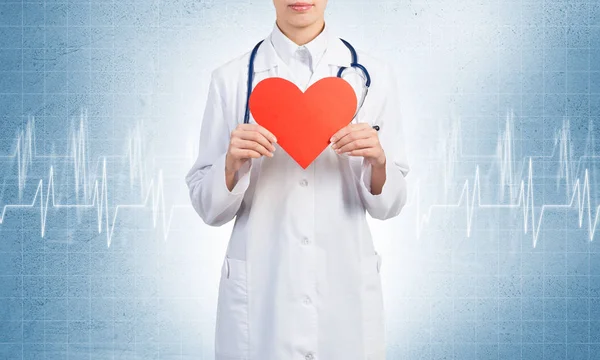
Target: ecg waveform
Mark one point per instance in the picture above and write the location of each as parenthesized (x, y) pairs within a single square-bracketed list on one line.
[(90, 195), (516, 182), (470, 199), (521, 192)]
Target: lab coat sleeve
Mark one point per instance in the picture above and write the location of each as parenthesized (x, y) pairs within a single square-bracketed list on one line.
[(208, 190), (393, 196)]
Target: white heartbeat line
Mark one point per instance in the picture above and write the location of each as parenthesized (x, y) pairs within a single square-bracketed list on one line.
[(153, 192), (44, 197), (470, 196), (154, 196), (26, 151), (472, 199)]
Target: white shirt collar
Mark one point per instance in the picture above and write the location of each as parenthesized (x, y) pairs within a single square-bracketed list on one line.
[(285, 47)]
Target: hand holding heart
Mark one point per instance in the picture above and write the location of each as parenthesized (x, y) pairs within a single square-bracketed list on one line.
[(303, 121), (248, 141), (359, 140)]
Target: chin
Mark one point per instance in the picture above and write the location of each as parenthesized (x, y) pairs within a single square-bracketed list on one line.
[(302, 20)]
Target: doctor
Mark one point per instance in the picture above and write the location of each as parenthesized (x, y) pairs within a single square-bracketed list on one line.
[(300, 278)]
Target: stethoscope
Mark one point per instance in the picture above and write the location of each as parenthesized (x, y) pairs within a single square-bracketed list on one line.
[(354, 64)]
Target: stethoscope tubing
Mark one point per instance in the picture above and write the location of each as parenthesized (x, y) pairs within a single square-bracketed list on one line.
[(354, 64)]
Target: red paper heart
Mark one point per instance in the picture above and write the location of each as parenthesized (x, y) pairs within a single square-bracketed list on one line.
[(303, 122)]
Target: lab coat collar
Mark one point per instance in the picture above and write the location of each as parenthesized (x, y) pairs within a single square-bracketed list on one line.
[(286, 48), (336, 53)]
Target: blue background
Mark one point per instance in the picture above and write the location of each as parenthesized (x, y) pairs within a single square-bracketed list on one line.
[(496, 255)]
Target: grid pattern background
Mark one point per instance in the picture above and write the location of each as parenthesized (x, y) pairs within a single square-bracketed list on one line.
[(496, 256)]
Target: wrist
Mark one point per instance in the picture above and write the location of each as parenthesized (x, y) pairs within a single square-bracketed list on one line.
[(229, 179), (228, 168), (379, 163)]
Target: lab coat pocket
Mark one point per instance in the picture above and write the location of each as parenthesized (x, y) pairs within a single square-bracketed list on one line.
[(372, 306), (231, 338)]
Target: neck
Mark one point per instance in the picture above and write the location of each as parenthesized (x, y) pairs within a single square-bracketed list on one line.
[(301, 35)]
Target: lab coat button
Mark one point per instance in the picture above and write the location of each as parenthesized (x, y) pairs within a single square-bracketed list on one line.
[(305, 240), (303, 182), (309, 356), (307, 300)]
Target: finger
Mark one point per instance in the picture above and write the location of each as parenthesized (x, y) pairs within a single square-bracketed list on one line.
[(261, 129), (357, 144), (347, 129), (257, 137), (361, 152), (253, 145), (245, 153), (341, 133), (351, 136)]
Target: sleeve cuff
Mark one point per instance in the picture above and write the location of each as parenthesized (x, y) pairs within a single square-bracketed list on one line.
[(390, 179), (393, 193)]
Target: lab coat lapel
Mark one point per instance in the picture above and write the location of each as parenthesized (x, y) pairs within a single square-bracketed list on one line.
[(266, 57), (336, 55)]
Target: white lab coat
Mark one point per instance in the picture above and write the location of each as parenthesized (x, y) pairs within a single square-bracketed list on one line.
[(300, 278)]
